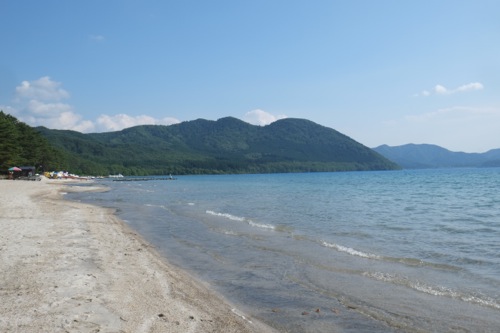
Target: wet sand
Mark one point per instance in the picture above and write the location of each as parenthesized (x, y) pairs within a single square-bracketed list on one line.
[(73, 267)]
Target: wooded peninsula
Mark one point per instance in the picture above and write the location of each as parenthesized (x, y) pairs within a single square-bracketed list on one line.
[(228, 145)]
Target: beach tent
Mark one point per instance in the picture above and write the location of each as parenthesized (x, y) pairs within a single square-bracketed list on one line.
[(28, 170)]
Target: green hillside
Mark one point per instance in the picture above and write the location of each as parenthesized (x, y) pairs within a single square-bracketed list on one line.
[(227, 145), (22, 145)]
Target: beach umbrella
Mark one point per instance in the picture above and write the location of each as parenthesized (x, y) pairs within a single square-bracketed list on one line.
[(15, 169)]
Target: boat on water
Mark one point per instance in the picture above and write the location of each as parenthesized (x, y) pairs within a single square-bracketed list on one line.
[(116, 176)]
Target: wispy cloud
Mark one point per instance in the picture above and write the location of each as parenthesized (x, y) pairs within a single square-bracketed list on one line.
[(470, 87), (455, 113), (442, 90), (260, 117), (97, 38)]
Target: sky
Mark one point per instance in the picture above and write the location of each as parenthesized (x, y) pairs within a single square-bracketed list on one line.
[(380, 71)]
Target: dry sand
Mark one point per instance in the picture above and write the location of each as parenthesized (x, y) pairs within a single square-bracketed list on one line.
[(72, 267)]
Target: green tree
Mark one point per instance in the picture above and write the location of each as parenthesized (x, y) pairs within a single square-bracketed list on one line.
[(9, 146), (21, 144)]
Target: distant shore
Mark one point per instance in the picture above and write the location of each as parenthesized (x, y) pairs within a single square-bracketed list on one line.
[(73, 267)]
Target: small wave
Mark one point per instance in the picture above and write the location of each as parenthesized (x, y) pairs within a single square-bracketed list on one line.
[(404, 281), (242, 219), (261, 225), (404, 261), (226, 215), (351, 251), (190, 203), (485, 301), (433, 290)]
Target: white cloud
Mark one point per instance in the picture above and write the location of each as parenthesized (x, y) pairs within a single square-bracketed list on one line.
[(442, 90), (41, 103), (62, 120), (54, 115), (121, 121), (43, 89), (260, 117), (83, 126), (470, 87), (47, 110)]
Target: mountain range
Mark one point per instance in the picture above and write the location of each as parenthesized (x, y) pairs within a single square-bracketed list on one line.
[(228, 145), (420, 156)]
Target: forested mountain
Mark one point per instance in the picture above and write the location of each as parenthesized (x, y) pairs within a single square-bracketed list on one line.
[(412, 156), (227, 145), (22, 145)]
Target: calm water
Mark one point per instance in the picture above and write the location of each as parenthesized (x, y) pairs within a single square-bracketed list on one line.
[(407, 251)]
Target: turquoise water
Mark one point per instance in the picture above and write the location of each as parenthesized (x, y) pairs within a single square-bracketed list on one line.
[(386, 251)]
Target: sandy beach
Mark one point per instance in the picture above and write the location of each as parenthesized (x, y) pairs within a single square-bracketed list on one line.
[(72, 267)]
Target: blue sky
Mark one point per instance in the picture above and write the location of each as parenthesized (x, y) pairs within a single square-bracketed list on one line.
[(381, 72)]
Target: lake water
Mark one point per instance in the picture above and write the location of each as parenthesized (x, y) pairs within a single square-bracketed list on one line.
[(392, 251)]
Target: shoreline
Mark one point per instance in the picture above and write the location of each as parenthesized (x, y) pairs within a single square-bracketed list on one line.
[(73, 267)]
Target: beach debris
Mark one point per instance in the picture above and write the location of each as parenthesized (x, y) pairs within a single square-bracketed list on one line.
[(191, 317), (162, 316)]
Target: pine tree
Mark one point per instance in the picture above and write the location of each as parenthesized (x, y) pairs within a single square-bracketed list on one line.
[(21, 144), (9, 146)]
